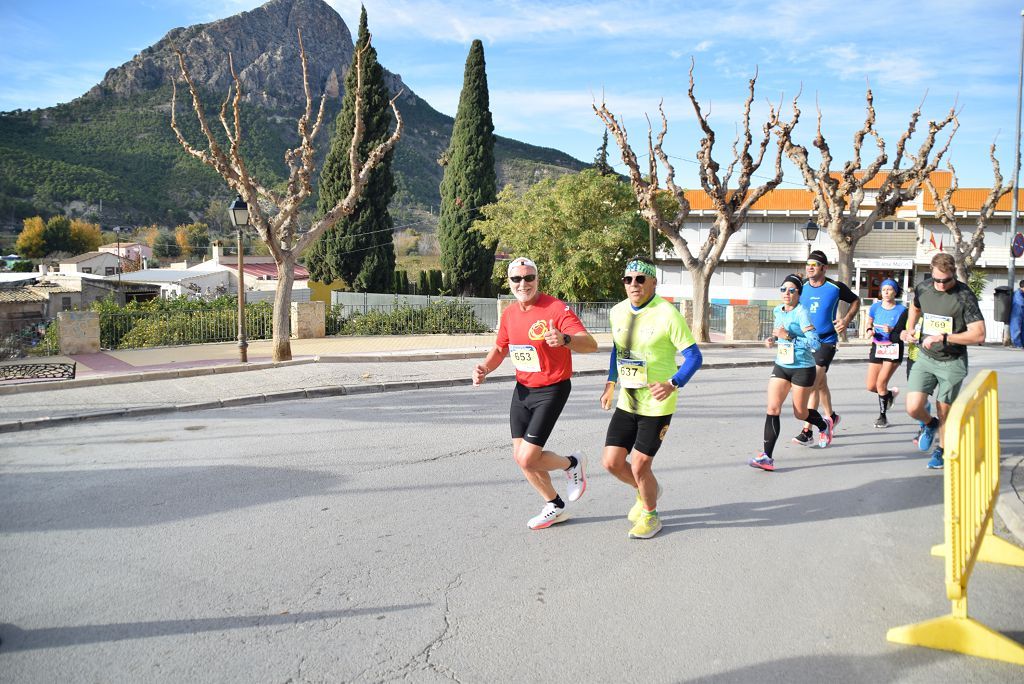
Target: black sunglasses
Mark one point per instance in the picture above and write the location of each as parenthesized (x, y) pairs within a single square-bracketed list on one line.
[(528, 278), (628, 280), (944, 281), (790, 290)]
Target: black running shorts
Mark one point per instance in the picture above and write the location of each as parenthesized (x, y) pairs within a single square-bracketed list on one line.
[(632, 431), (801, 377), (535, 410), (823, 357)]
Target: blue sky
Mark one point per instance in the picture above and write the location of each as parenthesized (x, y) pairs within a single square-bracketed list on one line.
[(547, 61)]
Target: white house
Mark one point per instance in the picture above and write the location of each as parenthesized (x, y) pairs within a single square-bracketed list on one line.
[(97, 263), (128, 250), (176, 282), (259, 272)]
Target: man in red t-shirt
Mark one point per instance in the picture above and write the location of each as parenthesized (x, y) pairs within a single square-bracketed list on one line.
[(538, 332)]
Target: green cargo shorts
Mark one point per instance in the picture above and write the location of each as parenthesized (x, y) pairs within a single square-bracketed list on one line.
[(941, 379)]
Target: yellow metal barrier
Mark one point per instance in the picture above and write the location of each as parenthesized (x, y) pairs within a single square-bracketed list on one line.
[(971, 484)]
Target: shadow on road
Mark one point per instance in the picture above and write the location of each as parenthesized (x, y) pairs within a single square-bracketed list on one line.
[(880, 496), (132, 497), (13, 638)]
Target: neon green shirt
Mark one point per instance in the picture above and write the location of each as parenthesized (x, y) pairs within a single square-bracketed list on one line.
[(651, 336)]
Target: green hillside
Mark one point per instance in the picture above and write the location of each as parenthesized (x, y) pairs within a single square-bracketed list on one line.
[(121, 151)]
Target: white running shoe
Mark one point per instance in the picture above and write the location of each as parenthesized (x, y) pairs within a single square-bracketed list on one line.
[(549, 515), (577, 478)]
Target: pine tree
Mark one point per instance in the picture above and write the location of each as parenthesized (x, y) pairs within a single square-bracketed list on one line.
[(469, 183), (601, 159), (359, 249)]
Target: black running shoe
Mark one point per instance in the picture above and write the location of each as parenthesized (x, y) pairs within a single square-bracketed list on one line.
[(881, 421), (805, 438)]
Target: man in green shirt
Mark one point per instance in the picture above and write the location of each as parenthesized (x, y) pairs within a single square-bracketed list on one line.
[(647, 331), (951, 320)]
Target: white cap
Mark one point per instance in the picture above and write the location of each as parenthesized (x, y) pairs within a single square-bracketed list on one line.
[(521, 261)]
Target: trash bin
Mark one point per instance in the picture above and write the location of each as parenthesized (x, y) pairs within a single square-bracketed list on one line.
[(1003, 304)]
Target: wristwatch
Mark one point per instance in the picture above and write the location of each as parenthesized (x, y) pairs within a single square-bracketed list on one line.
[(566, 339), (674, 383)]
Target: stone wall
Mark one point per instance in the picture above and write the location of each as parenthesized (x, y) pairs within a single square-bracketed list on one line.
[(79, 332), (742, 323), (308, 320)]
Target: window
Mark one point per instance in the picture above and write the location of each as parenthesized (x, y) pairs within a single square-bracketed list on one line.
[(895, 225), (109, 270), (86, 269), (65, 303)]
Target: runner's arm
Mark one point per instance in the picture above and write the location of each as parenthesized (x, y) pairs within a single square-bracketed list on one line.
[(809, 339), (692, 361), (490, 364), (913, 313), (613, 367), (900, 326)]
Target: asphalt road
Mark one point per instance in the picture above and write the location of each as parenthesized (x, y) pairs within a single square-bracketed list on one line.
[(383, 537)]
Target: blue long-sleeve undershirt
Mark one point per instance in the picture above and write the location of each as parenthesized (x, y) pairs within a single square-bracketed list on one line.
[(692, 361)]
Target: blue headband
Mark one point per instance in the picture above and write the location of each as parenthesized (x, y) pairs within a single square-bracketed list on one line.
[(891, 283)]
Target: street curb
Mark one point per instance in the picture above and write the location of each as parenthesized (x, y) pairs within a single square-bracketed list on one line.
[(143, 376), (1010, 507), (312, 393)]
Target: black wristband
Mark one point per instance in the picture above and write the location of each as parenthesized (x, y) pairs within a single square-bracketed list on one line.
[(566, 339), (945, 336)]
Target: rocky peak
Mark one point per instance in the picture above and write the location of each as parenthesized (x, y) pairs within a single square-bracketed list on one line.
[(264, 46)]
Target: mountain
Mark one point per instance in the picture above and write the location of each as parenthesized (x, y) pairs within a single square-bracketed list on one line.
[(112, 149)]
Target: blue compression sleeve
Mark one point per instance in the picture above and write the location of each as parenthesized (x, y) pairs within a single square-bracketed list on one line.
[(613, 367), (692, 361)]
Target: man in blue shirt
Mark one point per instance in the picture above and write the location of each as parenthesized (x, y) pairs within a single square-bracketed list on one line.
[(821, 297), (1017, 317)]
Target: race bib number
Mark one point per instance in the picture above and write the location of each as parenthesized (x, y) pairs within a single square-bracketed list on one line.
[(632, 373), (889, 352), (786, 353), (525, 358), (937, 325)]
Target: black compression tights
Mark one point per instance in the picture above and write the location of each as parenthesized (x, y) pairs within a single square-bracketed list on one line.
[(771, 433), (771, 428)]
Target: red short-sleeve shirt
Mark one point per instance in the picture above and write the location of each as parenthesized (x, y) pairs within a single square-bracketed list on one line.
[(527, 328)]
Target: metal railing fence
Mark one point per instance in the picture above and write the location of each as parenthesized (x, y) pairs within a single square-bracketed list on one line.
[(139, 329), (717, 323)]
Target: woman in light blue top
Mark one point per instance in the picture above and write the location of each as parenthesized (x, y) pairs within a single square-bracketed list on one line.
[(886, 319), (795, 339)]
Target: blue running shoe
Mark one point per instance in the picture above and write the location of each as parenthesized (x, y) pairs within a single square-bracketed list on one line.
[(927, 436), (928, 410), (936, 461)]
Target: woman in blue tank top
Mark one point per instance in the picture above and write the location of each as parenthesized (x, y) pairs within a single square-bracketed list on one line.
[(795, 340), (886, 320)]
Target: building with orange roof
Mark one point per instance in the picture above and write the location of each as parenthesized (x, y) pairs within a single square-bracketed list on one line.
[(772, 244)]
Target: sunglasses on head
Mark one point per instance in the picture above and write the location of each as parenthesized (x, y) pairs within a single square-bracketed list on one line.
[(628, 280), (787, 290), (944, 281), (528, 278)]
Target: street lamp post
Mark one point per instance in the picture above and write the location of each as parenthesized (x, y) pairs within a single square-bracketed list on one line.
[(810, 232), (117, 232), (239, 211)]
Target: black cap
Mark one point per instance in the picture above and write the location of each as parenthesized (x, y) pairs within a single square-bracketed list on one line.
[(818, 256)]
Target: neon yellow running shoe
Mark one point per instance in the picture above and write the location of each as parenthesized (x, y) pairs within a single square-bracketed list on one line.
[(645, 528), (638, 508)]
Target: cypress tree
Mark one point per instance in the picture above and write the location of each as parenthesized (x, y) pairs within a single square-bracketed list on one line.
[(359, 249), (469, 183), (601, 158)]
